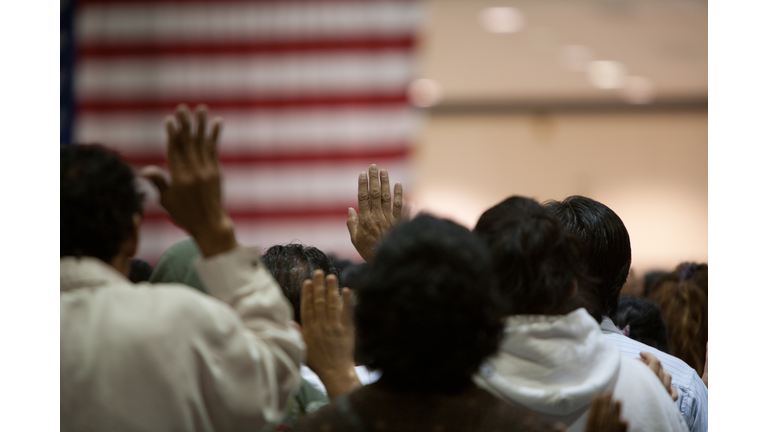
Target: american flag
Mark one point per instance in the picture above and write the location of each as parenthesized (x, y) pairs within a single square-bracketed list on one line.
[(311, 93)]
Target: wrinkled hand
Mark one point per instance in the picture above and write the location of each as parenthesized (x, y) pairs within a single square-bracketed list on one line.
[(193, 196), (605, 415), (705, 375), (378, 211), (329, 333), (664, 376)]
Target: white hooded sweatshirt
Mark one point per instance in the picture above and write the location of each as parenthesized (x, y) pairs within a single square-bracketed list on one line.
[(555, 364)]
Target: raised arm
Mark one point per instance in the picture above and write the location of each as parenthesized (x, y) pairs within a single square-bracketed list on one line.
[(378, 210), (246, 352), (193, 195)]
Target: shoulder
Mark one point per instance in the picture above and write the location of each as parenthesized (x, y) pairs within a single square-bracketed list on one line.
[(158, 311), (681, 373), (327, 419), (645, 401), (499, 413)]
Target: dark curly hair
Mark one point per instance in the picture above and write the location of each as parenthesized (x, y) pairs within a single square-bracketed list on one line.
[(291, 265), (535, 259), (427, 312), (609, 252), (645, 320), (98, 200)]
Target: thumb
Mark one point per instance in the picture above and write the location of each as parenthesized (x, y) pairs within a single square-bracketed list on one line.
[(157, 176), (352, 223)]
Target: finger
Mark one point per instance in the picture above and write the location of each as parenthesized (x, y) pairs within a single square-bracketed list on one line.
[(307, 300), (675, 395), (213, 144), (182, 114), (596, 413), (174, 151), (347, 310), (363, 205), (318, 291), (374, 191), (652, 362), (616, 412), (157, 176), (666, 379), (386, 197), (198, 143), (397, 207), (332, 300), (352, 224), (201, 112), (186, 145)]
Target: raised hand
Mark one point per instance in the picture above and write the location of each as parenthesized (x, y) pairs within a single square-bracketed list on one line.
[(378, 211), (193, 195), (605, 415), (329, 333), (664, 376)]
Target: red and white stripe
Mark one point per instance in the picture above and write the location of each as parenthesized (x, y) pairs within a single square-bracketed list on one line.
[(311, 93)]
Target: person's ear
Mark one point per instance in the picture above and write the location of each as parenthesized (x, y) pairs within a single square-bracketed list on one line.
[(133, 237)]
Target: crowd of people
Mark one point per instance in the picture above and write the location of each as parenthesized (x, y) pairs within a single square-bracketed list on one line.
[(519, 324)]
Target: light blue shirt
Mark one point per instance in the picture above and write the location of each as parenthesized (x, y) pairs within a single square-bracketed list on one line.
[(693, 394)]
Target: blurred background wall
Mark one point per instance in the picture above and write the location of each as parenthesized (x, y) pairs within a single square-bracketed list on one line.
[(465, 102), (549, 98)]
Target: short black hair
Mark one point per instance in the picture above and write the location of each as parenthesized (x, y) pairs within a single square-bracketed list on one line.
[(353, 274), (98, 201), (645, 320), (609, 252), (291, 265), (427, 312), (535, 259), (140, 271)]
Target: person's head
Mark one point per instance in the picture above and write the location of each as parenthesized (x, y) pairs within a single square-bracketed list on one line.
[(291, 265), (643, 321), (141, 271), (100, 206), (649, 278), (539, 264), (684, 307), (684, 271), (609, 254), (353, 274), (427, 312)]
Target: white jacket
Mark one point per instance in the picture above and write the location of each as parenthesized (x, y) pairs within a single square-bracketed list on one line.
[(556, 364), (165, 357)]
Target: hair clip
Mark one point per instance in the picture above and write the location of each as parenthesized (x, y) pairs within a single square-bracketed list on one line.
[(689, 271)]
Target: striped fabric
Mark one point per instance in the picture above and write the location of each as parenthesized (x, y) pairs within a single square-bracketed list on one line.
[(311, 93), (693, 395)]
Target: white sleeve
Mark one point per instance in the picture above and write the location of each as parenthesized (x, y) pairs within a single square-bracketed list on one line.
[(249, 355)]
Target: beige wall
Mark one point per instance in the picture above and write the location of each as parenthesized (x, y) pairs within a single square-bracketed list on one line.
[(649, 164), (649, 167)]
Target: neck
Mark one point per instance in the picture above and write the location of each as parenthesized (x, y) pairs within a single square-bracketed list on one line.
[(121, 263)]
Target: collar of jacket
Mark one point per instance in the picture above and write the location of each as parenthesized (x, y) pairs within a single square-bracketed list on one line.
[(87, 272), (553, 363)]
